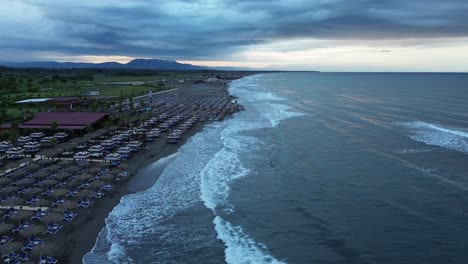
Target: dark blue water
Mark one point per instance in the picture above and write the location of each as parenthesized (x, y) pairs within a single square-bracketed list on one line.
[(320, 168)]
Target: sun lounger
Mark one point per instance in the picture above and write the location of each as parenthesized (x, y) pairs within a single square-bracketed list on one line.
[(39, 214), (5, 240)]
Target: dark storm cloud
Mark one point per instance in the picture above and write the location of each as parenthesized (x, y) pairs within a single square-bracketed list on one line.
[(210, 29)]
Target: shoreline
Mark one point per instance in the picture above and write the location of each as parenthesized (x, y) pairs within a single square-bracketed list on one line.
[(81, 237)]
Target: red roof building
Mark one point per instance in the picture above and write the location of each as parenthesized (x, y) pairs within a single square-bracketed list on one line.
[(69, 120)]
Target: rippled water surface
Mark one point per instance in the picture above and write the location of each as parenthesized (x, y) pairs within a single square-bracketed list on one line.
[(320, 168)]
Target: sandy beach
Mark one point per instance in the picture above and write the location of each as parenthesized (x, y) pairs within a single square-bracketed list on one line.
[(80, 237)]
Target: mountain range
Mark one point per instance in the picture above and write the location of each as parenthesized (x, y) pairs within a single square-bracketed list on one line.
[(145, 64)]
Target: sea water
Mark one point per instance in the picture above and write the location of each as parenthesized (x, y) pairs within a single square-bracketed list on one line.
[(319, 168)]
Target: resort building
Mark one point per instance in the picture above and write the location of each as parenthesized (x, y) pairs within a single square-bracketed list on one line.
[(67, 120), (32, 147), (14, 153), (64, 102), (4, 145), (23, 140)]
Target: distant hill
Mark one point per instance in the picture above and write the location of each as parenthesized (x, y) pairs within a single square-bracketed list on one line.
[(144, 64)]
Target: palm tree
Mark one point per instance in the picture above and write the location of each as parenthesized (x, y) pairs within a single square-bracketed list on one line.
[(53, 127)]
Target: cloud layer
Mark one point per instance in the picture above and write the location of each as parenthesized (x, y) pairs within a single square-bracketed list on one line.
[(209, 29)]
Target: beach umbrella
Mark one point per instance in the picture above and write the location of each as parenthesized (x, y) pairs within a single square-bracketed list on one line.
[(32, 167), (33, 230), (96, 185), (44, 162), (84, 194), (62, 175), (22, 214), (52, 217), (60, 192), (5, 228), (11, 247), (34, 191), (24, 182), (40, 175), (122, 166), (72, 169), (94, 170), (8, 190), (18, 174), (68, 205), (84, 176), (46, 249), (48, 182), (83, 164), (13, 202), (64, 163), (103, 164), (11, 165), (5, 181), (108, 177), (42, 203), (73, 184), (52, 168)]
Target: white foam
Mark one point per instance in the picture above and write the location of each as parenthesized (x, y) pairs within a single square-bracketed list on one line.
[(203, 171), (223, 168), (437, 135), (240, 247)]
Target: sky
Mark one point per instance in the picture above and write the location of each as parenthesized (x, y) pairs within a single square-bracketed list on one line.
[(325, 35)]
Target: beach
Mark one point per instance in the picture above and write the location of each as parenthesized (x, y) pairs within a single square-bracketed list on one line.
[(50, 178), (81, 237)]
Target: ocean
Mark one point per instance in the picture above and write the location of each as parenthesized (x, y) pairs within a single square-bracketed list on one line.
[(319, 168)]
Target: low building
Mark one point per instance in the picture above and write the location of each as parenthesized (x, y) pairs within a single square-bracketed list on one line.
[(68, 120), (64, 102)]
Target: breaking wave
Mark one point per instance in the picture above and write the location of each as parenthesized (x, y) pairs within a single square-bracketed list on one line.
[(201, 174), (437, 135)]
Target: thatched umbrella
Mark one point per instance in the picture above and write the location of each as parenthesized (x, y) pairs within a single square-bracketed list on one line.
[(12, 165), (13, 202), (18, 174), (32, 167), (108, 177), (8, 190), (122, 166), (33, 230), (64, 163), (40, 175), (5, 228), (47, 249), (42, 203), (84, 176), (52, 168), (60, 192), (84, 194), (73, 184), (48, 182), (5, 181), (44, 162), (33, 191), (24, 182), (22, 214), (52, 217), (72, 169), (62, 175), (68, 205), (94, 170), (50, 153), (96, 185), (83, 164), (103, 164), (11, 247)]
